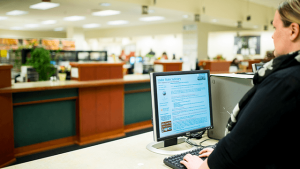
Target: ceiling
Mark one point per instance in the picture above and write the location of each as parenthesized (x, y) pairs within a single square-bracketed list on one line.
[(130, 12)]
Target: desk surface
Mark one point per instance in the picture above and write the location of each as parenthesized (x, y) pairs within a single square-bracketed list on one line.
[(124, 153)]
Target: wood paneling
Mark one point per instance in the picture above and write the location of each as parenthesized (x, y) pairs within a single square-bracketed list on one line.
[(100, 111), (6, 129), (45, 101), (138, 126), (98, 71), (48, 145), (5, 74), (170, 66)]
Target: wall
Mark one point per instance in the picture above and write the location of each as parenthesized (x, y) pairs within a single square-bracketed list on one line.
[(159, 37), (31, 34), (223, 43)]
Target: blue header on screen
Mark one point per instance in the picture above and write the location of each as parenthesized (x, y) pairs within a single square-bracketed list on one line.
[(183, 103)]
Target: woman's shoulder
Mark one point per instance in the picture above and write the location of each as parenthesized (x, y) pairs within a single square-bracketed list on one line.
[(293, 71)]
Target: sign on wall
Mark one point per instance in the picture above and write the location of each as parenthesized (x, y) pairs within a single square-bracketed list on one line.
[(247, 45)]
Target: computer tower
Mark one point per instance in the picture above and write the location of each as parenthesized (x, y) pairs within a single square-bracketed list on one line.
[(226, 91)]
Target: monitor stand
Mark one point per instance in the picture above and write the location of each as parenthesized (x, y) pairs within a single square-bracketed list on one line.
[(155, 146)]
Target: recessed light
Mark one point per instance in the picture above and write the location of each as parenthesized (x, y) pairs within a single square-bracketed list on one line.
[(104, 4), (106, 13), (16, 12), (74, 18), (59, 29), (152, 18), (3, 17), (15, 28), (118, 22), (49, 22), (185, 16), (91, 25), (151, 11), (44, 5), (32, 25)]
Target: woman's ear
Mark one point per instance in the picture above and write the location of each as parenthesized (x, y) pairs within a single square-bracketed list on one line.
[(294, 31)]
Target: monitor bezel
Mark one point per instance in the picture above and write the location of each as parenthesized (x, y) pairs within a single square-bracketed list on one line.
[(254, 66), (155, 112)]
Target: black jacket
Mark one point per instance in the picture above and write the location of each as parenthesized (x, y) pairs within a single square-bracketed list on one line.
[(266, 132)]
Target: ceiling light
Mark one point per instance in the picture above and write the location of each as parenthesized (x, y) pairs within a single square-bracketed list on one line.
[(92, 25), (16, 12), (32, 25), (44, 5), (3, 17), (151, 11), (74, 18), (49, 22), (105, 4), (106, 13), (214, 20), (152, 18), (15, 28), (185, 16), (59, 29), (118, 22)]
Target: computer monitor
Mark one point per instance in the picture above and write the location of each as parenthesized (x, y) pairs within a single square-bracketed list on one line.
[(256, 66), (181, 105)]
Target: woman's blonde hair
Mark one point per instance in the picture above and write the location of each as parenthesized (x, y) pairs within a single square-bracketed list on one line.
[(289, 11)]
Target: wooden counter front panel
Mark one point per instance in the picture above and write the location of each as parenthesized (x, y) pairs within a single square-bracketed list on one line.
[(5, 75), (100, 111), (89, 72), (172, 67), (6, 130)]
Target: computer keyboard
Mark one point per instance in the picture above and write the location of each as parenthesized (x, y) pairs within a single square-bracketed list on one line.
[(174, 161)]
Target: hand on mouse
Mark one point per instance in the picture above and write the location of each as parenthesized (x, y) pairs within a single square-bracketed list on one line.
[(206, 152)]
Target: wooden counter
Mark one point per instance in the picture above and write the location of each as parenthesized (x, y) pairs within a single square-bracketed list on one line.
[(5, 75), (169, 65), (96, 71), (73, 112), (215, 66)]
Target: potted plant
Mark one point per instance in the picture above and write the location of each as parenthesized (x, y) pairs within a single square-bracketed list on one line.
[(40, 61), (62, 73)]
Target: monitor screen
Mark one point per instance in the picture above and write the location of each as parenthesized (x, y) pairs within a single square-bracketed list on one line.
[(181, 103), (256, 66), (132, 60)]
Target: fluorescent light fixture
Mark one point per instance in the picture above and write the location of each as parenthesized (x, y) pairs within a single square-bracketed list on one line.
[(152, 18), (15, 28), (118, 22), (106, 13), (59, 29), (185, 16), (32, 25), (91, 25), (74, 18), (3, 17), (16, 12), (44, 5), (105, 4), (49, 22), (151, 11)]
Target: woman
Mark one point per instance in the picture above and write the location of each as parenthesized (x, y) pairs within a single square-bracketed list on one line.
[(266, 116)]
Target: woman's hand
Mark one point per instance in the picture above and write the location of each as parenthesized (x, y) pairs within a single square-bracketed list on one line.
[(206, 152), (191, 161)]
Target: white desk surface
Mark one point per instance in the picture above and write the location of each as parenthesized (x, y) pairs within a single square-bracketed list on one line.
[(126, 153)]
